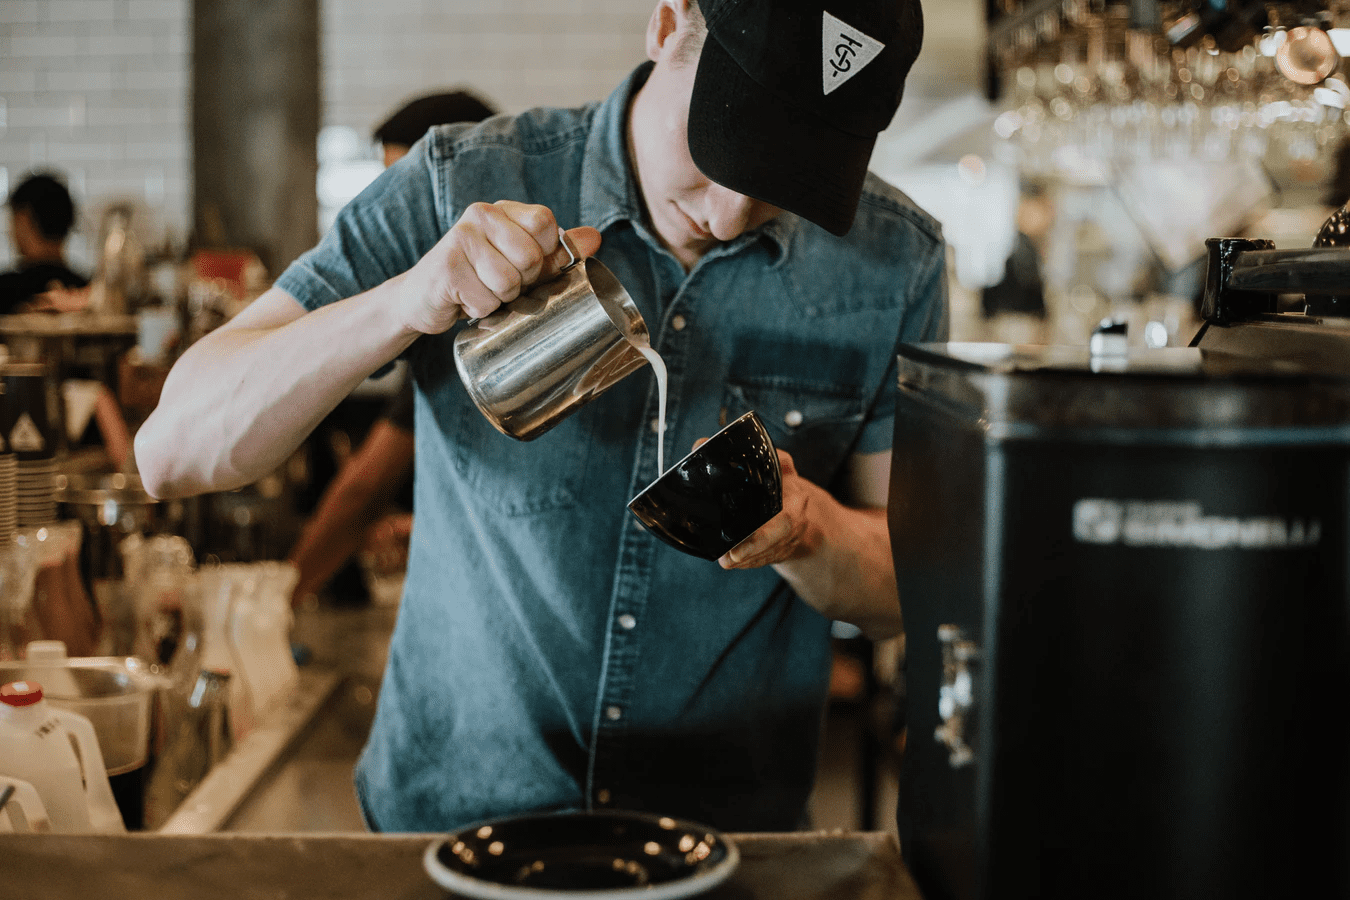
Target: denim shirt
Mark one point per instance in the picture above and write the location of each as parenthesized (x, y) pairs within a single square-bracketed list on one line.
[(549, 652)]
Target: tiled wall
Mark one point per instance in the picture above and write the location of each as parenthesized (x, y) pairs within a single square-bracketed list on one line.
[(100, 88), (515, 53)]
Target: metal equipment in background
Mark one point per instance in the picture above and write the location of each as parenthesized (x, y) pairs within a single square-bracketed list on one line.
[(1124, 580)]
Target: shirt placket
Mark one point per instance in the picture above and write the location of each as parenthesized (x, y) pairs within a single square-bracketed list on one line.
[(633, 578)]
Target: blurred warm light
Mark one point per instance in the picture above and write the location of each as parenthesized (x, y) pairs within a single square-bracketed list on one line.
[(972, 168)]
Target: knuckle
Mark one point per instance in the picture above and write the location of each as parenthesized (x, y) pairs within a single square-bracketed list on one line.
[(477, 212), (537, 219)]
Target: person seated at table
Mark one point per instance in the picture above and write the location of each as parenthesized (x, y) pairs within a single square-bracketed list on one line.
[(42, 215)]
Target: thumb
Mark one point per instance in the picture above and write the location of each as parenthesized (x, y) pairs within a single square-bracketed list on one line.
[(585, 239)]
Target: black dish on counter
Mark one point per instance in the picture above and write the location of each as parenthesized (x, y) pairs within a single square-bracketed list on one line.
[(610, 855)]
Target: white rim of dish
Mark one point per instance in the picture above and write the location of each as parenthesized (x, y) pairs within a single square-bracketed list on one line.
[(696, 883)]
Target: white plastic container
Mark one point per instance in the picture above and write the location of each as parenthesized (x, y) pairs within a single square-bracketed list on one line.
[(38, 745)]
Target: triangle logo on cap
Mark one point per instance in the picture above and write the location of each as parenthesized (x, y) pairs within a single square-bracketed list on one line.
[(845, 51)]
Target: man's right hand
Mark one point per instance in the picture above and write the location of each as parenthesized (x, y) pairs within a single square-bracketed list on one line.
[(492, 253)]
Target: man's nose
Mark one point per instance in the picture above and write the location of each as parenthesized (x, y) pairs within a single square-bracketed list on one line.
[(729, 213)]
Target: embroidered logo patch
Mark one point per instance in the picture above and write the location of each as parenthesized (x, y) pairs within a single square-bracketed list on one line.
[(845, 51)]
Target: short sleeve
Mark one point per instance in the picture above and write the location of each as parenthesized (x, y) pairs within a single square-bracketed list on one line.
[(926, 320), (381, 233)]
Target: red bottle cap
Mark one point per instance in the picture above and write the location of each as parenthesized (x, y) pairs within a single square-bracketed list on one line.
[(20, 693)]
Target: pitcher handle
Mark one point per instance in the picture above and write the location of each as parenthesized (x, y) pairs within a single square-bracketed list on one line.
[(104, 816), (573, 258), (24, 805)]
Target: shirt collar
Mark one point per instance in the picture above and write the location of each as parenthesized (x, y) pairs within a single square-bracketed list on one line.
[(609, 192)]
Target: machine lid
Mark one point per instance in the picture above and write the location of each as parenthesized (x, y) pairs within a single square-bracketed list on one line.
[(1174, 362), (1192, 394)]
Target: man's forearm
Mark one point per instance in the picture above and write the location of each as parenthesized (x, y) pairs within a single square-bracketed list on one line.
[(243, 398), (848, 573)]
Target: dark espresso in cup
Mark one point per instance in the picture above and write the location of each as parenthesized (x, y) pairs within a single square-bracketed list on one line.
[(719, 494)]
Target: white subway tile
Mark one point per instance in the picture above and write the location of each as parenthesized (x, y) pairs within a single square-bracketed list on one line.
[(17, 82), (59, 12), (164, 11), (121, 45), (45, 117), (24, 49), (95, 80), (21, 12)]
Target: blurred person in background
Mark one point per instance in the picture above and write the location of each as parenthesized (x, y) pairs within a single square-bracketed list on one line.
[(1022, 290), (368, 505), (397, 134), (41, 217), (549, 652)]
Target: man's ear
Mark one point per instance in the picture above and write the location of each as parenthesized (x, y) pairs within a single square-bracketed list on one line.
[(665, 21)]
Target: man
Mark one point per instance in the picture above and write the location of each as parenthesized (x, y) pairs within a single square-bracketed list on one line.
[(351, 505), (42, 214), (549, 652)]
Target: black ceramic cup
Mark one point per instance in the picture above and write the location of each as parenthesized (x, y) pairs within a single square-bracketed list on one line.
[(719, 494)]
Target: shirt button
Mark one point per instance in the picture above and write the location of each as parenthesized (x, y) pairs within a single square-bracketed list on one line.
[(678, 323), (656, 425), (627, 622), (602, 796), (613, 713), (793, 418)]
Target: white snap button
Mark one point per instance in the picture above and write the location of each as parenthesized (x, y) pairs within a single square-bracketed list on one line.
[(613, 713), (793, 418), (656, 425), (678, 323), (627, 622)]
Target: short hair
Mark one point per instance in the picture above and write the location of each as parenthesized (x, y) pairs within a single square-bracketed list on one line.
[(418, 116), (691, 44), (45, 198)]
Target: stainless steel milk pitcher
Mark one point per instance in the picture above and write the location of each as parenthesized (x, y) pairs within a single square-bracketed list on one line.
[(536, 360)]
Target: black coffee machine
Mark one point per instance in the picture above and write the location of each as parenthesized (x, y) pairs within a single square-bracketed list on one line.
[(1127, 605)]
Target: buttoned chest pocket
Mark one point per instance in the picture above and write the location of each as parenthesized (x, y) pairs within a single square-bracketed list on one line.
[(519, 478), (817, 422), (500, 474)]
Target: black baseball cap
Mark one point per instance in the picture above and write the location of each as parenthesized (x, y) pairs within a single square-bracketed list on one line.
[(790, 95)]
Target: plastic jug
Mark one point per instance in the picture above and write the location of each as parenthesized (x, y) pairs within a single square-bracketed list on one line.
[(56, 751)]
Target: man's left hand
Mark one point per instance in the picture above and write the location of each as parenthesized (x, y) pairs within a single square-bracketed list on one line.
[(792, 534)]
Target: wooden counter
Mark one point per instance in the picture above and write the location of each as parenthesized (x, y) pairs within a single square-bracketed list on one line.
[(797, 866)]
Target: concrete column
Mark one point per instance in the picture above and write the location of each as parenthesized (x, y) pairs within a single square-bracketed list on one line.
[(255, 123)]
